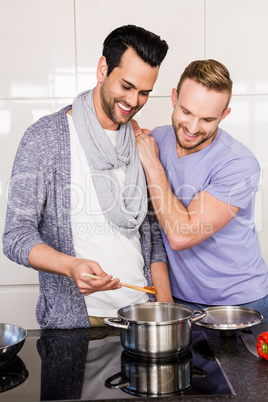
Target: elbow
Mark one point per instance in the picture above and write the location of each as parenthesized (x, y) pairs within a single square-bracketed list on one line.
[(7, 250), (178, 243), (5, 246), (186, 236), (14, 250)]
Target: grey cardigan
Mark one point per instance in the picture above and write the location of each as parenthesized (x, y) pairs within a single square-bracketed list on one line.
[(39, 212)]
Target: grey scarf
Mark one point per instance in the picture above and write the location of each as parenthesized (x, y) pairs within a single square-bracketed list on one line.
[(123, 208)]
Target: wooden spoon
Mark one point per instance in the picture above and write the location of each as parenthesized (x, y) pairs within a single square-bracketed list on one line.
[(126, 285)]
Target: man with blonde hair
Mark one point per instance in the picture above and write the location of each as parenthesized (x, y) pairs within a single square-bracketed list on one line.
[(202, 184)]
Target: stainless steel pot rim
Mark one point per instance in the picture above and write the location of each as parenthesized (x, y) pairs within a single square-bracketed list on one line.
[(173, 306), (230, 318), (153, 323)]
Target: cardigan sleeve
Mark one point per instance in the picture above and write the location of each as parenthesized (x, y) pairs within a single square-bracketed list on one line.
[(26, 197)]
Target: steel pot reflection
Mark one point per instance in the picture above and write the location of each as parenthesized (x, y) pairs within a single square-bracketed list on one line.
[(143, 377)]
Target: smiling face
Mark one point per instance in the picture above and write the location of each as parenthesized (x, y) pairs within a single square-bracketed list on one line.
[(196, 116), (121, 94)]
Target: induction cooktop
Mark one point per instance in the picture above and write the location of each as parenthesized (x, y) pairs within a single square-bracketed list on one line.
[(72, 365)]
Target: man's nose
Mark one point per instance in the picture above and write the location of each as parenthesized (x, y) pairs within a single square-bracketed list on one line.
[(132, 99), (193, 126)]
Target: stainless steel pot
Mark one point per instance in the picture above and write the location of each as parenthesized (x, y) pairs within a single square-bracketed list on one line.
[(155, 329), (143, 377)]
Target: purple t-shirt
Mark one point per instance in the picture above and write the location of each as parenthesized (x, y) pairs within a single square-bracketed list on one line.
[(227, 268)]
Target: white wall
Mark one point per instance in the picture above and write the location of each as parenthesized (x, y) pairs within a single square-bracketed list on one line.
[(49, 53)]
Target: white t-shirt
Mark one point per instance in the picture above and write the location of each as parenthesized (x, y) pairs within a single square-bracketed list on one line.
[(95, 239)]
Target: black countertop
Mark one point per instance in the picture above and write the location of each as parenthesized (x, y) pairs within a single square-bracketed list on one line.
[(247, 374)]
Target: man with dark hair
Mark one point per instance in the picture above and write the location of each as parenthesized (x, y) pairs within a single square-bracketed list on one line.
[(203, 184), (78, 198)]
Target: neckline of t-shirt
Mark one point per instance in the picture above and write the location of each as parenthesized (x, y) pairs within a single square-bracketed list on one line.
[(111, 134)]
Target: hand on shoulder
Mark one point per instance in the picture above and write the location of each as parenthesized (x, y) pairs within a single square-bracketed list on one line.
[(137, 130)]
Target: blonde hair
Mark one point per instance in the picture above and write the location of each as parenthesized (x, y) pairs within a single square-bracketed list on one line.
[(210, 73)]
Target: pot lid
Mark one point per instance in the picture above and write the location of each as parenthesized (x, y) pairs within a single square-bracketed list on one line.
[(230, 318)]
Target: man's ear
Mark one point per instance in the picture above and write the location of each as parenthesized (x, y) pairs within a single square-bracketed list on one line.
[(174, 97), (225, 113), (102, 69)]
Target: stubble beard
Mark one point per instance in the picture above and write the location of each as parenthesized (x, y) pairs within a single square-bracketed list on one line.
[(202, 138), (109, 108)]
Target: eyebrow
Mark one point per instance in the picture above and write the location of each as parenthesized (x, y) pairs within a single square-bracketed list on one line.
[(133, 86), (206, 118)]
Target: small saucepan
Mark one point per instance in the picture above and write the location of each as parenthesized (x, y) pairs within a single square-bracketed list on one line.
[(155, 329)]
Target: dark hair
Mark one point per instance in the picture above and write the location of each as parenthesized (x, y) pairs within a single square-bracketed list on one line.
[(210, 73), (148, 46)]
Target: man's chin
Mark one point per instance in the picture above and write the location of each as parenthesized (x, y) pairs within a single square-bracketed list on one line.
[(125, 119), (187, 146)]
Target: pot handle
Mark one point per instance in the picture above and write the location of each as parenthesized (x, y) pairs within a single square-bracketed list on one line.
[(115, 322), (198, 315), (121, 384)]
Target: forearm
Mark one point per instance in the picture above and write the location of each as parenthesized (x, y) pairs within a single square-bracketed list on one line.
[(173, 217), (171, 214), (45, 258), (160, 280), (186, 227)]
